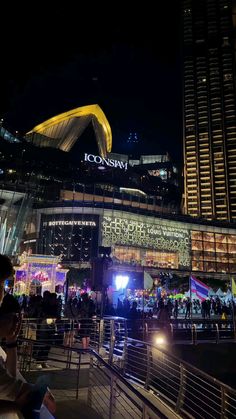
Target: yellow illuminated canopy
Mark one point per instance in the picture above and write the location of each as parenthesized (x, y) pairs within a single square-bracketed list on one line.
[(62, 131)]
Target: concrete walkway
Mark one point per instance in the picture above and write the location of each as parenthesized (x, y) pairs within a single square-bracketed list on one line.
[(74, 409), (63, 384)]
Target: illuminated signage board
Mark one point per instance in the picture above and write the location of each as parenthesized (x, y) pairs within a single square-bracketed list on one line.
[(69, 236), (70, 223), (105, 161), (126, 232)]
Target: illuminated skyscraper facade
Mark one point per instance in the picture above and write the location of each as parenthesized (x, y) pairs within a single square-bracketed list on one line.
[(209, 121)]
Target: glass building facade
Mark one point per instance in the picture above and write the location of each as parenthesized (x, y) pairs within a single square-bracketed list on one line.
[(209, 123), (213, 252), (138, 241)]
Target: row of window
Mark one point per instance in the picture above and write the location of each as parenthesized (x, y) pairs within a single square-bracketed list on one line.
[(208, 266)]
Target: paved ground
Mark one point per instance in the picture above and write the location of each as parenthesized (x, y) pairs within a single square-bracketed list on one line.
[(74, 409), (63, 384)]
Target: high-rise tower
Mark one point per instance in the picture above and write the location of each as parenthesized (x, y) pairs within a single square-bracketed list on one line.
[(209, 109)]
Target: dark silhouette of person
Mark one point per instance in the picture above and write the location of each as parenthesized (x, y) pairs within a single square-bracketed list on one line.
[(87, 311), (176, 309), (133, 316), (188, 309)]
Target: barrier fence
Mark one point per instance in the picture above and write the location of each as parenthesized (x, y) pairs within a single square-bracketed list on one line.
[(142, 329), (109, 393), (187, 390)]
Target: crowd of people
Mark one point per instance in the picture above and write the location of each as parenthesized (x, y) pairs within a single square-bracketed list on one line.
[(175, 308), (57, 323), (72, 317)]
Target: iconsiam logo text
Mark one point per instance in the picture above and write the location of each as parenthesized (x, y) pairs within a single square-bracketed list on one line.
[(105, 161)]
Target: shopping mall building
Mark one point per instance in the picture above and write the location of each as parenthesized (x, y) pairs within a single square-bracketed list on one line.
[(71, 216), (140, 238)]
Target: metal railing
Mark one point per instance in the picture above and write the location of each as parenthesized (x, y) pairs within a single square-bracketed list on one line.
[(190, 391), (109, 393), (198, 330), (142, 329), (180, 330), (112, 395), (185, 389)]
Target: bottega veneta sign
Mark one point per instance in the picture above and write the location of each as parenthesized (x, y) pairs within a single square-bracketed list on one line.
[(105, 161), (71, 223)]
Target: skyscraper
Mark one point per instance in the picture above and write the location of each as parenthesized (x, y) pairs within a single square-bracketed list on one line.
[(209, 119)]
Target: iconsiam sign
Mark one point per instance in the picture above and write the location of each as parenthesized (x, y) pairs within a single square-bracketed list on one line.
[(105, 161)]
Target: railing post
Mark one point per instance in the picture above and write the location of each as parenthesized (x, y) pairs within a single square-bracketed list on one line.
[(181, 393), (89, 399), (145, 331), (144, 412), (112, 405), (223, 402), (78, 377), (125, 354), (149, 353), (172, 330), (101, 334), (217, 333), (194, 334), (126, 328), (112, 341)]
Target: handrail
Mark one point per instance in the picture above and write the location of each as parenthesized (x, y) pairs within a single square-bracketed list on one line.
[(112, 370), (138, 361), (171, 356), (186, 364), (149, 404)]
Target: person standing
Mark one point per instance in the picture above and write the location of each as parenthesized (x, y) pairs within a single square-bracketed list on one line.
[(188, 309), (176, 309), (87, 311), (71, 313)]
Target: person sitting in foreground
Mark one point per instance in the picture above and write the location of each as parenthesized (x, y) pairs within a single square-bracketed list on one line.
[(26, 397)]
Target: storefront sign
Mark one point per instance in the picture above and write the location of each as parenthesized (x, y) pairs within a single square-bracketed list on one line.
[(71, 223), (70, 236), (105, 161), (147, 235)]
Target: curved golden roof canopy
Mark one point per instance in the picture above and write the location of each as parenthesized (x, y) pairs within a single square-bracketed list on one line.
[(63, 130)]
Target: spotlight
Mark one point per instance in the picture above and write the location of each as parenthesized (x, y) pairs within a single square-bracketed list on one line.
[(121, 281), (50, 321), (160, 340)]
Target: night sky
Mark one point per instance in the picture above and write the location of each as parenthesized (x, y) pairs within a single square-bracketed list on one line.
[(128, 62)]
